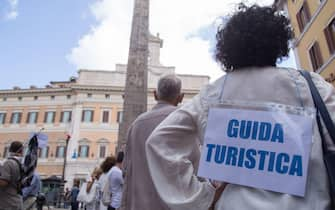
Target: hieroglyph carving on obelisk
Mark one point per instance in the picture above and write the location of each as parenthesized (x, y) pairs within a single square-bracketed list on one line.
[(135, 93)]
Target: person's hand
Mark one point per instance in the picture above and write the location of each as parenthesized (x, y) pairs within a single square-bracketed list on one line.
[(219, 188)]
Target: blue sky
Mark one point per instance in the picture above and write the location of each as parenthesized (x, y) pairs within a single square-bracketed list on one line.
[(43, 41), (34, 45)]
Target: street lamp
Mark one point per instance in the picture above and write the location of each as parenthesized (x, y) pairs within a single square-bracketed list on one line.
[(61, 188), (65, 155)]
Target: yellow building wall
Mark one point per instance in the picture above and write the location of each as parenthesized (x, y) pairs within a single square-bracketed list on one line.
[(314, 31)]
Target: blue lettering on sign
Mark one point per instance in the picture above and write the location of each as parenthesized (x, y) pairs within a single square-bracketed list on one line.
[(261, 160), (262, 131), (233, 131)]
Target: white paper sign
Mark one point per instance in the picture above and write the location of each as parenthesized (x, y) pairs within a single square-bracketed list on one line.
[(261, 149)]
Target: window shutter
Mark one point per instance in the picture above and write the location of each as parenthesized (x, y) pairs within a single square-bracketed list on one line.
[(28, 117), (36, 117), (70, 116), (53, 116), (45, 116), (61, 117), (92, 113), (79, 151), (105, 116), (298, 16), (4, 118), (318, 54), (83, 115), (57, 152), (47, 153)]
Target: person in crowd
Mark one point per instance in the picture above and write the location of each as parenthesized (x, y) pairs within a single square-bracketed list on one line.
[(115, 177), (139, 191), (105, 166), (93, 189), (248, 48), (74, 194), (66, 197), (30, 192), (10, 179)]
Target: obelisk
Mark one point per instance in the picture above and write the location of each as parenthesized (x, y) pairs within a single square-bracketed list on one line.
[(135, 93)]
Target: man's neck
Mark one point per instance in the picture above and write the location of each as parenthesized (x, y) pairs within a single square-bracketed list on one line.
[(119, 165), (165, 102)]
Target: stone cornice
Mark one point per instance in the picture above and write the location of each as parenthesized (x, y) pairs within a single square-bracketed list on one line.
[(76, 88), (35, 91)]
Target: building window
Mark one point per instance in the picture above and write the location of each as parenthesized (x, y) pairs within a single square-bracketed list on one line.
[(2, 118), (107, 96), (32, 117), (330, 36), (119, 116), (65, 117), (44, 152), (105, 116), (4, 99), (89, 95), (68, 96), (16, 118), (315, 56), (102, 151), (19, 98), (49, 117), (87, 116), (52, 97), (35, 98), (83, 151), (60, 152), (5, 152), (303, 16)]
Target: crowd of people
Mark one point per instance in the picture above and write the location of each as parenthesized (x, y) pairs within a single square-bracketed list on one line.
[(103, 191), (158, 169)]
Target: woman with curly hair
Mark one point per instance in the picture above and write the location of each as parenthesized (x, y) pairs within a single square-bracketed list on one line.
[(248, 48)]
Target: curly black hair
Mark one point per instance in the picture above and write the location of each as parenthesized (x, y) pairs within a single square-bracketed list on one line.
[(254, 36)]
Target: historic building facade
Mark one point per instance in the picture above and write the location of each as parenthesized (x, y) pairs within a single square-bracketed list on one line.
[(88, 107), (313, 22)]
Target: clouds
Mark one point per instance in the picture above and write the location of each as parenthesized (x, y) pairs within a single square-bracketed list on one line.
[(10, 10), (180, 24)]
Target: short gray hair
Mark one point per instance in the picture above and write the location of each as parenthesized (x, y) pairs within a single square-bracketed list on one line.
[(169, 87)]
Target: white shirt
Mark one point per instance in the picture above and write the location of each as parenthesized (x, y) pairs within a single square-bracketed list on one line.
[(173, 159), (115, 186)]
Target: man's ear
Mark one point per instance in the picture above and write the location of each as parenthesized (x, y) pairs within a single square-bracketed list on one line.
[(180, 98), (155, 95)]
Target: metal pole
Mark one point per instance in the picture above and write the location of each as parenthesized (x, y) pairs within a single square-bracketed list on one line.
[(61, 188), (65, 157)]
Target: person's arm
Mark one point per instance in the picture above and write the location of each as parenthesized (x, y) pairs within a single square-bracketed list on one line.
[(169, 150)]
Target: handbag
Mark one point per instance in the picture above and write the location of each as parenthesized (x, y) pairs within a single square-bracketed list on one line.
[(82, 195), (106, 194), (328, 155)]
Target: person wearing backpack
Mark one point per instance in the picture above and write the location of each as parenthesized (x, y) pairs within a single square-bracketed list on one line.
[(10, 179)]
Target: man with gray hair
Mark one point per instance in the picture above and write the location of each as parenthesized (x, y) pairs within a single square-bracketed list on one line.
[(139, 191)]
